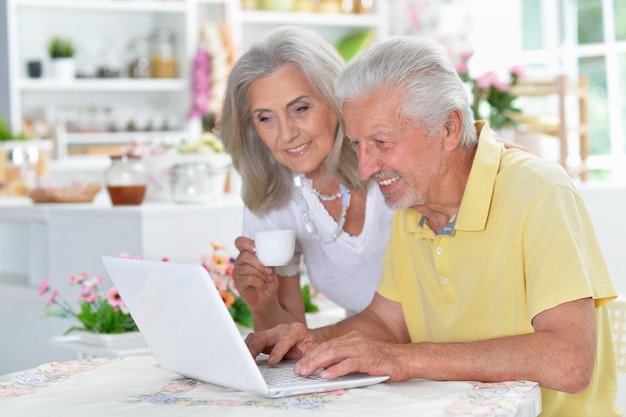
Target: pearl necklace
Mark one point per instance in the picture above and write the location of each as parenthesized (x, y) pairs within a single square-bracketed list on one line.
[(325, 197), (300, 182)]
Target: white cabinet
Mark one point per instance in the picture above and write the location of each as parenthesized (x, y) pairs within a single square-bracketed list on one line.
[(113, 110), (103, 32)]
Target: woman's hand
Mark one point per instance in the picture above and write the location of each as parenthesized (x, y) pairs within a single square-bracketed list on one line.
[(256, 283), (272, 300)]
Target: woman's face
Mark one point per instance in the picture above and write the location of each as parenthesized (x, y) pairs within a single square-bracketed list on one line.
[(292, 119)]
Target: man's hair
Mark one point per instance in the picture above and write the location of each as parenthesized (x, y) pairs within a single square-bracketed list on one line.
[(422, 75), (266, 183)]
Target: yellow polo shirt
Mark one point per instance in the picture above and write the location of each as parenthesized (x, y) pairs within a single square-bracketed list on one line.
[(521, 243)]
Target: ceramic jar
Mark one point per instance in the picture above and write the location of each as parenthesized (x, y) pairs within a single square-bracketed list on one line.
[(126, 180)]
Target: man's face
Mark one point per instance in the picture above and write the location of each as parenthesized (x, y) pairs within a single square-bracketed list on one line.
[(393, 149)]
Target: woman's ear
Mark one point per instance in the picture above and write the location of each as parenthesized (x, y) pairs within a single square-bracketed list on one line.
[(453, 130)]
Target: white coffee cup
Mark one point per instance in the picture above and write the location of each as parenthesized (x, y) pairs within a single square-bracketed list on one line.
[(275, 247)]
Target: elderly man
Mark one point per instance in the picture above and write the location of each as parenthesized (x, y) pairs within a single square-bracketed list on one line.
[(493, 271)]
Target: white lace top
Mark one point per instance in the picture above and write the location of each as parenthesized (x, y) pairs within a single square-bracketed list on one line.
[(347, 270)]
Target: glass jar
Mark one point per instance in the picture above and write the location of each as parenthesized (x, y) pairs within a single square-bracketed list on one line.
[(126, 180), (194, 182), (139, 59), (329, 6), (364, 6), (163, 58)]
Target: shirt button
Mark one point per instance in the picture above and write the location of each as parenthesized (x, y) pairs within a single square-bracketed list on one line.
[(444, 281), (439, 250)]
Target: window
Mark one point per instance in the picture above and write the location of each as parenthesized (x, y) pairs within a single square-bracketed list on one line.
[(585, 37)]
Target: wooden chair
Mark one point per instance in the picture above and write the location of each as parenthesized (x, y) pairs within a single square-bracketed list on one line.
[(558, 123)]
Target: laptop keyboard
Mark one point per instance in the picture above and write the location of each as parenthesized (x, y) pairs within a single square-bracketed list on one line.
[(283, 375)]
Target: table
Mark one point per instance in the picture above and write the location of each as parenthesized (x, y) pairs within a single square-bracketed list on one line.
[(137, 386)]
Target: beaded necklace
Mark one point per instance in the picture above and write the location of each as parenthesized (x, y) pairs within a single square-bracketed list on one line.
[(300, 182)]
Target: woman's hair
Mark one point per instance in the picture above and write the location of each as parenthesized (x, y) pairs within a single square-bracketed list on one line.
[(266, 183), (420, 72)]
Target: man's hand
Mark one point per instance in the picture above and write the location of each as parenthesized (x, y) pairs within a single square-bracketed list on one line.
[(285, 341), (354, 352)]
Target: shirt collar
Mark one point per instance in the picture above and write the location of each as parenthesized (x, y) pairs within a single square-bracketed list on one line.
[(478, 193)]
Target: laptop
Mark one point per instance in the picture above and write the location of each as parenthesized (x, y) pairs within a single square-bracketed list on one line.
[(188, 328)]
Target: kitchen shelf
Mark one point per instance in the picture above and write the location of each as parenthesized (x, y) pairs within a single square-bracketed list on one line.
[(107, 5), (309, 19), (104, 85), (101, 138), (103, 27)]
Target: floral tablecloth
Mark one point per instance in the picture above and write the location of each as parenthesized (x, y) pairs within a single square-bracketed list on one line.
[(137, 386)]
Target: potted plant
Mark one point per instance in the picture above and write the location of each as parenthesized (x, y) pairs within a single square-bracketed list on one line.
[(61, 51), (492, 99), (104, 319)]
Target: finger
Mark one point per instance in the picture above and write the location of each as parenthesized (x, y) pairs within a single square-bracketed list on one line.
[(243, 243), (245, 282), (248, 263), (262, 341), (316, 358), (343, 367), (336, 357), (282, 341)]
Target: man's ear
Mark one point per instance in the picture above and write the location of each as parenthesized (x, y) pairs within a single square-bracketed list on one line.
[(453, 130)]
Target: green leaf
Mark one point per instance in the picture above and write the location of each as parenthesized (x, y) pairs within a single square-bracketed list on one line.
[(59, 47), (307, 299)]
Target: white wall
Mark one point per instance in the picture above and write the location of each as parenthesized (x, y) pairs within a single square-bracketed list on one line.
[(495, 35), (607, 207)]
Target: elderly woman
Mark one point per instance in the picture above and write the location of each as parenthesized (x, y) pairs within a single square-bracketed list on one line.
[(281, 123)]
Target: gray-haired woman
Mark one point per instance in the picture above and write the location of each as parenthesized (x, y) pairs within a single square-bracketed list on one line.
[(281, 123)]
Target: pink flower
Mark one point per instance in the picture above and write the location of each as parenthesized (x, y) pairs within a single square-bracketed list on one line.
[(88, 297), (461, 68), (466, 55), (78, 279), (95, 314), (114, 298), (501, 86), (89, 290), (517, 71), (53, 298), (45, 286), (486, 80)]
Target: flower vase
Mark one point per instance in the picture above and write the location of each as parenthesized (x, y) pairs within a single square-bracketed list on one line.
[(127, 340)]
